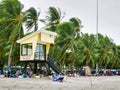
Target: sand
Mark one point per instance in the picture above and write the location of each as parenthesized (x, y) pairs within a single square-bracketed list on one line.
[(70, 83)]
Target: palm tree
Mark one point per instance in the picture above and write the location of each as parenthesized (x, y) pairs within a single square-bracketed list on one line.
[(4, 47), (66, 40), (77, 23), (117, 56), (73, 54), (115, 61), (87, 49), (106, 51), (12, 19), (1, 50), (68, 35), (53, 18), (32, 16)]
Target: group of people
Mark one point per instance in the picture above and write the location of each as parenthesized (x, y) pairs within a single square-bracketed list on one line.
[(85, 71), (27, 73), (17, 73)]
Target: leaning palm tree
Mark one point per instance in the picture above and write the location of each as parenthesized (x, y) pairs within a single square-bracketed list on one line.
[(116, 63), (77, 23), (68, 35), (66, 41), (32, 18), (12, 19), (106, 51), (1, 50), (115, 59), (53, 18), (87, 49)]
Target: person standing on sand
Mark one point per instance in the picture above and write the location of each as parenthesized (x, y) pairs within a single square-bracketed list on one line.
[(9, 71), (87, 71)]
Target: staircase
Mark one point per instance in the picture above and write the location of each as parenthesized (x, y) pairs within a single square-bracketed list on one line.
[(51, 62)]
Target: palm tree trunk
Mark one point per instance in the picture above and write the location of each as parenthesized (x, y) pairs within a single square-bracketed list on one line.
[(62, 64), (72, 67), (10, 54), (97, 67), (62, 58)]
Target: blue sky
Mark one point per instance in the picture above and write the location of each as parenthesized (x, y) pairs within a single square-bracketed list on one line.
[(108, 17)]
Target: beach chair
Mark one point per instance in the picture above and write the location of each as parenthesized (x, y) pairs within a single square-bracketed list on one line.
[(57, 77)]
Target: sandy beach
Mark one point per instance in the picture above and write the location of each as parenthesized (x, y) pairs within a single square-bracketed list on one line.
[(69, 83)]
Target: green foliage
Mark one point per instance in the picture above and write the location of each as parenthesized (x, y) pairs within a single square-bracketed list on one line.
[(32, 18), (84, 47), (11, 23), (53, 18), (66, 41), (71, 47)]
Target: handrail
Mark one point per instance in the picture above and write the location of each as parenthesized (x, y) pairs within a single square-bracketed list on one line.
[(52, 61)]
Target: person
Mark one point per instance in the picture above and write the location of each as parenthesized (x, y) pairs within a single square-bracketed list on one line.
[(82, 72), (57, 77), (16, 74), (87, 71), (9, 71), (1, 68)]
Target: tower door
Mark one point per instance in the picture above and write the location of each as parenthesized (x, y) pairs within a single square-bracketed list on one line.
[(40, 52)]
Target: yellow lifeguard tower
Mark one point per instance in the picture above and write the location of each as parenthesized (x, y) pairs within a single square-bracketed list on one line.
[(35, 46)]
